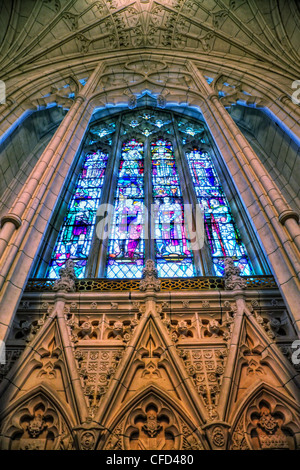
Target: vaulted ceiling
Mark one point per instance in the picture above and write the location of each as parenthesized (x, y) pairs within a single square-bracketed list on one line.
[(33, 32)]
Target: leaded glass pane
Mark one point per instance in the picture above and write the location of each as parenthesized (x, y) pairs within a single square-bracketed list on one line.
[(173, 254), (146, 122), (222, 233), (75, 237), (126, 245)]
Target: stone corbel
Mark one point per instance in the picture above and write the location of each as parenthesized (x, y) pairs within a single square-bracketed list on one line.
[(284, 98), (162, 98), (87, 435), (213, 96)]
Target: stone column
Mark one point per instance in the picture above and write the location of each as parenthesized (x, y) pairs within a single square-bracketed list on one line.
[(66, 283), (288, 114), (273, 220), (24, 227), (285, 214)]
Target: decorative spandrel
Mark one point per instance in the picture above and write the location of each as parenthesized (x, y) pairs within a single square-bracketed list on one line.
[(221, 231), (126, 244), (173, 253), (75, 237)]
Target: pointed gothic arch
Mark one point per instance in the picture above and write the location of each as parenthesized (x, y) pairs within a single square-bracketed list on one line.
[(37, 420), (138, 422), (266, 419)]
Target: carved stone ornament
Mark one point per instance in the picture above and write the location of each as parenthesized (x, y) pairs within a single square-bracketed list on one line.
[(217, 434), (87, 440), (35, 425), (88, 434), (161, 101), (269, 424), (66, 282), (150, 281), (233, 279), (218, 437), (153, 425)]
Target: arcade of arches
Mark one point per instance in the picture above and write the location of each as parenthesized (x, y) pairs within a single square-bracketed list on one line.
[(149, 342)]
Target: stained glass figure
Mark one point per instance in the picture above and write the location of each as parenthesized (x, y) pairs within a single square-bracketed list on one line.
[(222, 233), (173, 254), (126, 244), (74, 240)]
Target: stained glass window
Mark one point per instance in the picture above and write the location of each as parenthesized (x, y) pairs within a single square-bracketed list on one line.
[(74, 240), (222, 233), (173, 254), (126, 244)]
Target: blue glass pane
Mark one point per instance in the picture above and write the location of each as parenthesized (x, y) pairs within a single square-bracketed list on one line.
[(126, 244), (222, 233), (173, 254), (75, 237)]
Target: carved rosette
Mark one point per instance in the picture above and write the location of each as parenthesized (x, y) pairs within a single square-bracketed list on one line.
[(217, 434)]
